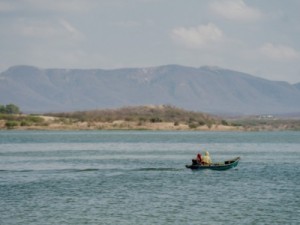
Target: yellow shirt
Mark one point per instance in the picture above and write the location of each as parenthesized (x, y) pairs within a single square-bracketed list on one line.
[(206, 159)]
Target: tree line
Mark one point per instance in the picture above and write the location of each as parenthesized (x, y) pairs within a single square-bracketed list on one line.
[(9, 109)]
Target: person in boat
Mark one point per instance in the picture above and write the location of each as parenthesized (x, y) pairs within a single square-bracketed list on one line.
[(199, 158), (206, 158)]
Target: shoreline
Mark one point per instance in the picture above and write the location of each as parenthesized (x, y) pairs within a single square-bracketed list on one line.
[(49, 123), (120, 125)]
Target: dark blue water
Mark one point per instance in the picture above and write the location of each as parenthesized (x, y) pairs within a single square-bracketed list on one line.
[(139, 177)]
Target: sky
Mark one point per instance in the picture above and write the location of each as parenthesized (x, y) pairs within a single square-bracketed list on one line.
[(259, 37)]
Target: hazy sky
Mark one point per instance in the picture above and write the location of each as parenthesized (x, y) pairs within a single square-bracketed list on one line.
[(260, 37)]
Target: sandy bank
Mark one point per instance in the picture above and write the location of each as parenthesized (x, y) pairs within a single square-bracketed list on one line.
[(52, 123)]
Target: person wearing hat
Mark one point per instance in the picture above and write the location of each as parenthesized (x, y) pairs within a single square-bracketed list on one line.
[(206, 158)]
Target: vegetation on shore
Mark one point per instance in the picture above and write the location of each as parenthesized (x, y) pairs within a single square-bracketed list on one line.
[(17, 120), (163, 117), (9, 109), (266, 124), (11, 117), (144, 114)]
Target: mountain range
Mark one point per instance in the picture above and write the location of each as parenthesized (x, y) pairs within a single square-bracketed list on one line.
[(206, 89)]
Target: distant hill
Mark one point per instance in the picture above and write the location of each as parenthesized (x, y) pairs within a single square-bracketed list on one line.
[(207, 89), (297, 85)]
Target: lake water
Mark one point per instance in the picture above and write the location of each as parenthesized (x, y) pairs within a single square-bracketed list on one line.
[(139, 177)]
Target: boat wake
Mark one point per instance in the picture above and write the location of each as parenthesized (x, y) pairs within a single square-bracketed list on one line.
[(16, 171), (50, 170), (158, 169), (146, 169)]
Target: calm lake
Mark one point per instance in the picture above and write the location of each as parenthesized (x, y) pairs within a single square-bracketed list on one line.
[(139, 177)]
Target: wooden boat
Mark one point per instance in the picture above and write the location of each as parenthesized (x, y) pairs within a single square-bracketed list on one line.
[(228, 164)]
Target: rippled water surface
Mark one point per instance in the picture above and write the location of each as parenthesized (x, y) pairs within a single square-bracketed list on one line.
[(139, 177)]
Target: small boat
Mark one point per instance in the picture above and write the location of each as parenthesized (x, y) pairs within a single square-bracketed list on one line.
[(228, 164)]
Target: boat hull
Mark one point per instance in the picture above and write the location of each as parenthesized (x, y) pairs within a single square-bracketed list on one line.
[(228, 164)]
